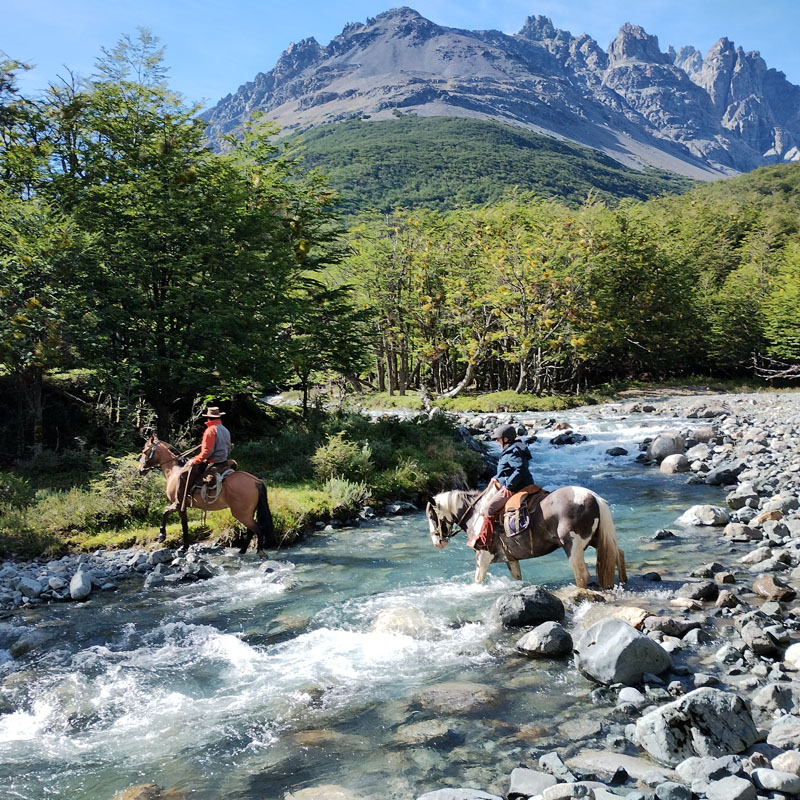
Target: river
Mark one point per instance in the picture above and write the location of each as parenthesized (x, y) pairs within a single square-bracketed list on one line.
[(254, 686)]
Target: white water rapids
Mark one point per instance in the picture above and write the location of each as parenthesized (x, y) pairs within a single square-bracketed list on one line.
[(246, 687)]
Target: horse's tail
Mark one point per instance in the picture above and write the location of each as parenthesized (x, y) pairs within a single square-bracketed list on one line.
[(609, 554), (263, 517)]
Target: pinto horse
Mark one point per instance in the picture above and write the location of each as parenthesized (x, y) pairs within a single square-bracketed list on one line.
[(570, 517), (241, 492)]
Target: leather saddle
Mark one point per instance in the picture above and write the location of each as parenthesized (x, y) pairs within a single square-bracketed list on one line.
[(520, 507)]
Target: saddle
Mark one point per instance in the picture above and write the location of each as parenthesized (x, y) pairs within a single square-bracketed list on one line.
[(520, 507), (211, 482)]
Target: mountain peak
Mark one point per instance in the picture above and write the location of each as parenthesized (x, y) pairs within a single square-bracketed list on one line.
[(674, 110), (633, 43), (538, 28)]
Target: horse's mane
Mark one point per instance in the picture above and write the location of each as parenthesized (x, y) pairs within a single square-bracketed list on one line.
[(455, 501)]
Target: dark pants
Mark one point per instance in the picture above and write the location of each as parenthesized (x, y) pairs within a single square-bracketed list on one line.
[(189, 480)]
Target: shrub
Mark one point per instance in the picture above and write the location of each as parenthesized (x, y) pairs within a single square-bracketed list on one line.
[(341, 458), (346, 495), (15, 491)]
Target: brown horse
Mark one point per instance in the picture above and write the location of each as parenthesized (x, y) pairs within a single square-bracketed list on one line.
[(570, 517), (241, 492)]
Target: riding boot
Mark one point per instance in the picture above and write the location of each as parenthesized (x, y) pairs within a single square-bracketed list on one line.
[(483, 539)]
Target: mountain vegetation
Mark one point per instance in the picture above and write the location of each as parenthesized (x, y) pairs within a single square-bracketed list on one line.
[(143, 273), (531, 295), (443, 163)]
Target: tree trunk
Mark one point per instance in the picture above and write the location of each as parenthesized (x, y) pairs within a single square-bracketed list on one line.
[(467, 380), (523, 377), (37, 407)]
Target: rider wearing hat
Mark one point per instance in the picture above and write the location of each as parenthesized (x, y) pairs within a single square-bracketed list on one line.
[(214, 449), (512, 476)]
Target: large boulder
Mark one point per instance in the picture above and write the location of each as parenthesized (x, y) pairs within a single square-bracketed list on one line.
[(665, 444), (726, 473), (531, 605), (80, 586), (675, 464), (704, 515), (705, 722), (548, 640), (611, 651)]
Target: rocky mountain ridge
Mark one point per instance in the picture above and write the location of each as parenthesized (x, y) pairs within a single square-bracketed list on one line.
[(703, 117)]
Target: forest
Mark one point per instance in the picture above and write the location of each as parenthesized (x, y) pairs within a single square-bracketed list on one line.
[(142, 274)]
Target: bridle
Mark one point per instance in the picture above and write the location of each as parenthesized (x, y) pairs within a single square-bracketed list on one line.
[(444, 528), (148, 467)]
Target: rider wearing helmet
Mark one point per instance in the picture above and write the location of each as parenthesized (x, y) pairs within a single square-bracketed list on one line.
[(512, 476)]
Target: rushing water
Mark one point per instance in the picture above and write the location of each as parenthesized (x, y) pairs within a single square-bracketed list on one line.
[(250, 687)]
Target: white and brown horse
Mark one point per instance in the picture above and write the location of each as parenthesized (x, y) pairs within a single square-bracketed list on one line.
[(244, 494), (570, 517)]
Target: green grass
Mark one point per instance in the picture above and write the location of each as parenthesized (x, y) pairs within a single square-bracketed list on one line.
[(461, 162), (114, 507)]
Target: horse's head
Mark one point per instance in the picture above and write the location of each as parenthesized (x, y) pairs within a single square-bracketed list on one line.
[(441, 520), (147, 458)]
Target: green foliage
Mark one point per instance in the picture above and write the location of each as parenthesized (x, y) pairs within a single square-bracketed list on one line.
[(463, 162), (782, 309), (346, 495), (15, 491), (341, 458)]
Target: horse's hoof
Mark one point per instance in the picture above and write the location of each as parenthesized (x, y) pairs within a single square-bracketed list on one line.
[(261, 553), (162, 537)]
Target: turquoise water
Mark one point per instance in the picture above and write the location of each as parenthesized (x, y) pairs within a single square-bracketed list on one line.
[(246, 687)]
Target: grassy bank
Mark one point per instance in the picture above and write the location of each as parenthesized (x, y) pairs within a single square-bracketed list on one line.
[(323, 469)]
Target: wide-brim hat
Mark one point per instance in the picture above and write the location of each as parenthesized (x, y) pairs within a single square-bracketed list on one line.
[(213, 412)]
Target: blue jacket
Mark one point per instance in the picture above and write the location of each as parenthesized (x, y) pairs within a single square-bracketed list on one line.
[(512, 468)]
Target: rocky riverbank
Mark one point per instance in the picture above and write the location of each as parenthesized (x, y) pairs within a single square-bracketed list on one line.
[(695, 675), (702, 690)]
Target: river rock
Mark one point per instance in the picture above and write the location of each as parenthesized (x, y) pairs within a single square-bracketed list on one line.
[(772, 780), (531, 605), (726, 473), (674, 464), (574, 791), (758, 640), (590, 761), (785, 733), (461, 696), (705, 515), (783, 503), (617, 451), (788, 761), (673, 791), (665, 444), (452, 794), (731, 788), (161, 556), (791, 658), (144, 791), (705, 722), (529, 782), (154, 579), (80, 586), (30, 587), (548, 640), (670, 626), (611, 651), (773, 588), (700, 590), (743, 495)]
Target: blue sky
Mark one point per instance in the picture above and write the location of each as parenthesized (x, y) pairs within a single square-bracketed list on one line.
[(213, 47)]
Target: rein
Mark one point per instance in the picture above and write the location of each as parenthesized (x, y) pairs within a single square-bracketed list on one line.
[(460, 521), (151, 467)]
